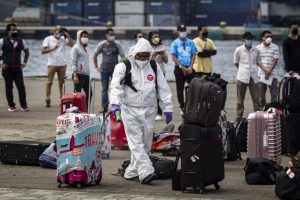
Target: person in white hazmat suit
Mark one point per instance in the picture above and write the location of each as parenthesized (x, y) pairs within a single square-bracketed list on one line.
[(138, 109)]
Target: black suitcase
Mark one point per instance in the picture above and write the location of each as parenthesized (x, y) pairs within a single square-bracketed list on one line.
[(21, 152), (202, 162), (290, 132)]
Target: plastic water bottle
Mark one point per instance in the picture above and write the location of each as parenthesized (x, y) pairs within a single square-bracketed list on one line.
[(118, 116)]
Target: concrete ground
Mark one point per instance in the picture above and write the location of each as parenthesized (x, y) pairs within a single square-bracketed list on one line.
[(27, 182)]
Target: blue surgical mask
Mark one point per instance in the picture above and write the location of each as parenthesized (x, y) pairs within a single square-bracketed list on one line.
[(58, 35), (183, 35), (110, 38), (249, 43)]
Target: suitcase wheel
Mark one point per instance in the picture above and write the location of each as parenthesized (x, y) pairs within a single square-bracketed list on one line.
[(59, 184), (78, 185), (217, 186), (183, 189)]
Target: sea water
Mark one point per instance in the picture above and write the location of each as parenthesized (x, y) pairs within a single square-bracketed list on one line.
[(222, 62)]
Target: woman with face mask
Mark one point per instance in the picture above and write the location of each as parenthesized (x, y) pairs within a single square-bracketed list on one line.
[(80, 64), (161, 57)]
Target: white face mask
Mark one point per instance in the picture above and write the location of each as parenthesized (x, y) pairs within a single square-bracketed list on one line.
[(268, 40), (183, 35), (141, 63), (111, 38), (84, 40), (156, 40)]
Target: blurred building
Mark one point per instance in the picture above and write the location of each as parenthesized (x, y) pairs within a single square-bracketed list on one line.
[(136, 13)]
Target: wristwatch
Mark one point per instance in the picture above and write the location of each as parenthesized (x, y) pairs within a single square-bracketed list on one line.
[(180, 66)]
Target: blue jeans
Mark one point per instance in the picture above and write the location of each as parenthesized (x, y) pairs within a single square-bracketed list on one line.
[(106, 75)]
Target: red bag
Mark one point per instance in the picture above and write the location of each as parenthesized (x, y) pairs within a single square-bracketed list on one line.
[(73, 99)]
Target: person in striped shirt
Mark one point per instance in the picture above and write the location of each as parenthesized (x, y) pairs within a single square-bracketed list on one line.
[(269, 53)]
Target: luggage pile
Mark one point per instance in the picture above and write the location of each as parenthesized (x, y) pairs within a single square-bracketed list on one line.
[(290, 103), (202, 162)]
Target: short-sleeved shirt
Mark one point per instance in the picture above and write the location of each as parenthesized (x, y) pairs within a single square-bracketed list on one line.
[(203, 64), (110, 54), (183, 50), (247, 61), (58, 56), (268, 54)]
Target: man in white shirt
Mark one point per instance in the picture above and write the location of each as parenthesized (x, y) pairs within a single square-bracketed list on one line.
[(55, 46), (247, 60), (269, 54)]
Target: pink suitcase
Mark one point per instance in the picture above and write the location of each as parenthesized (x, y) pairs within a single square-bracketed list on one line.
[(264, 136)]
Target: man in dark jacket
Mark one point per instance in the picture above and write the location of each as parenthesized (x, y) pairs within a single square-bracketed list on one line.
[(291, 50), (12, 47)]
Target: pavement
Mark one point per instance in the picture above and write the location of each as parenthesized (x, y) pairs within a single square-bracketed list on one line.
[(34, 182)]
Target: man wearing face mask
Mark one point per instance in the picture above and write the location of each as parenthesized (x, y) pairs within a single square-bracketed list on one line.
[(12, 47), (206, 48), (138, 108), (291, 51), (247, 59), (269, 54), (55, 46), (183, 53), (110, 50), (80, 64)]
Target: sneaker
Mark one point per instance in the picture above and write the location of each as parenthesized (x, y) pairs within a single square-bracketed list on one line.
[(149, 178), (181, 113), (158, 118), (24, 108), (12, 109)]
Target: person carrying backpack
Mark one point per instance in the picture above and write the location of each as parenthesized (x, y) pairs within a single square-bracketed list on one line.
[(136, 99)]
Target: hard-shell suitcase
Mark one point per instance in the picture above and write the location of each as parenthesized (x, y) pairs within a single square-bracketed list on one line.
[(264, 136), (79, 143), (202, 162), (118, 136), (21, 152), (291, 125), (73, 99)]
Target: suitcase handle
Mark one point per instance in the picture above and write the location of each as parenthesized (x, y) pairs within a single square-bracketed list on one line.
[(67, 101)]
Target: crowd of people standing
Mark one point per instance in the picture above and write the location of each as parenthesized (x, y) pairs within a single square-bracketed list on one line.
[(255, 64), (137, 84)]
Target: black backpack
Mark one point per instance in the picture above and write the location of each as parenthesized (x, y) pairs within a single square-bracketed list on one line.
[(287, 188), (260, 171), (127, 79), (232, 152), (164, 168), (241, 135)]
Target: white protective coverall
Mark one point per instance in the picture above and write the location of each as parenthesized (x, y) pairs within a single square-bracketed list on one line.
[(138, 109)]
